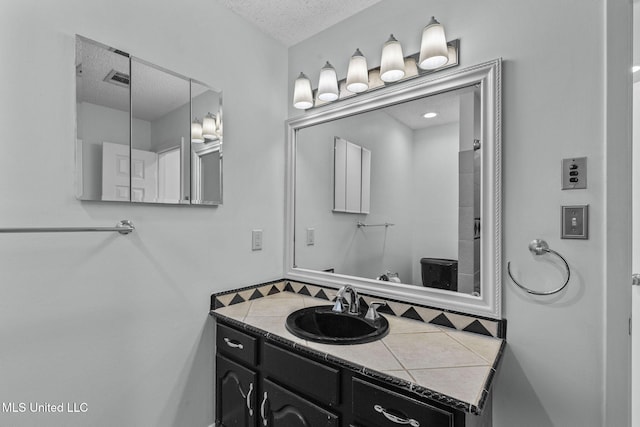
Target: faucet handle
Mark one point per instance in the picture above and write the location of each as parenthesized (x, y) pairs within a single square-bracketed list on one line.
[(372, 312), (338, 306)]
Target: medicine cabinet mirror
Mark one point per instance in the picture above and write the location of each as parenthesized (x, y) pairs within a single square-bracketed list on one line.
[(430, 232), (144, 133)]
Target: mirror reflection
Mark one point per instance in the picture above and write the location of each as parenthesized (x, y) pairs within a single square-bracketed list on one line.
[(135, 136), (206, 145), (159, 134), (102, 105), (422, 222)]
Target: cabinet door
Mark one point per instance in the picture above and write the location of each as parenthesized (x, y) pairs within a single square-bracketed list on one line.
[(235, 394), (282, 408)]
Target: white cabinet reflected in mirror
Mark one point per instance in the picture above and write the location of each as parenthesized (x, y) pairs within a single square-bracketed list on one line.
[(351, 177), (135, 137)]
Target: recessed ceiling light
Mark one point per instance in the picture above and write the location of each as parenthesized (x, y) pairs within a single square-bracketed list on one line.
[(635, 68), (429, 115)]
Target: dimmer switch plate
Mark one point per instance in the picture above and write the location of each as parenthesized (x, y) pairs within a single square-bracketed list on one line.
[(574, 173), (575, 222)]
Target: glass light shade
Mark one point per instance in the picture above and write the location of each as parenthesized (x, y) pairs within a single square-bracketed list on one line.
[(392, 62), (219, 125), (357, 73), (196, 131), (328, 84), (302, 94), (433, 49), (209, 129)]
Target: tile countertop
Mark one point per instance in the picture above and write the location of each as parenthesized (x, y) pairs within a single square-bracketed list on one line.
[(453, 363)]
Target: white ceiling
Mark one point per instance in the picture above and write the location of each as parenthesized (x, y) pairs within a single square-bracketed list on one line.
[(446, 105), (291, 21)]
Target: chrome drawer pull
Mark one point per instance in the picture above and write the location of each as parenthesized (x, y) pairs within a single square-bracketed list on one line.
[(263, 409), (233, 344), (395, 419), (249, 400)]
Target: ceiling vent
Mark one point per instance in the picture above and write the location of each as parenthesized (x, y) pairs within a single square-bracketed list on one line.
[(117, 78)]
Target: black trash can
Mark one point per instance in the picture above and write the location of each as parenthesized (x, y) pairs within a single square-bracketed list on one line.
[(440, 273)]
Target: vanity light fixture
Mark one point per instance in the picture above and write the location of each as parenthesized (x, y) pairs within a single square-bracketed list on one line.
[(435, 54), (433, 48), (392, 61), (210, 126), (357, 73), (429, 115), (196, 131), (302, 94), (328, 84)]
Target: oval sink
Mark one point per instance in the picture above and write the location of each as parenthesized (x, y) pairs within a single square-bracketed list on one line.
[(320, 324)]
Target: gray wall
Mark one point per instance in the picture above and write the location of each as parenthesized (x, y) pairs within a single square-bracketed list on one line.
[(435, 204), (339, 243), (565, 93), (121, 322)]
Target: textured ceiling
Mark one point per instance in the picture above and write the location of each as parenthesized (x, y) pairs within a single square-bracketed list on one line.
[(291, 21), (155, 92)]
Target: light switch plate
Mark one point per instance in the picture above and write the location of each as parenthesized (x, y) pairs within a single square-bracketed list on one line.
[(575, 222), (574, 173), (311, 236), (256, 240)]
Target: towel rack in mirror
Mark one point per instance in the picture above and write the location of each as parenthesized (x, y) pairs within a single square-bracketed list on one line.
[(361, 224)]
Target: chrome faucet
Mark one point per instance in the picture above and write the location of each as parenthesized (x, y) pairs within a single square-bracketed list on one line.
[(353, 303)]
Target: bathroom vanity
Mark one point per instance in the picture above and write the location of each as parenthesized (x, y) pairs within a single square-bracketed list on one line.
[(420, 374)]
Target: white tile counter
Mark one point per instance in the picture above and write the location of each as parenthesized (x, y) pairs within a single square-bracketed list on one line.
[(450, 362)]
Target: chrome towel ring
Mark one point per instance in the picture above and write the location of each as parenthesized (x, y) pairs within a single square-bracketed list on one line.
[(539, 247)]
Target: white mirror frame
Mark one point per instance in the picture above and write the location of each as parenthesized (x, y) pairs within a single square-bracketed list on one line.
[(488, 77)]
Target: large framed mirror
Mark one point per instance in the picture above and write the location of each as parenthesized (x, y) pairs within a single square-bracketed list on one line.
[(144, 133), (431, 230)]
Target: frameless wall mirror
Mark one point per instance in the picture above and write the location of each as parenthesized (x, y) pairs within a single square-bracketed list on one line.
[(431, 230), (135, 138), (206, 147)]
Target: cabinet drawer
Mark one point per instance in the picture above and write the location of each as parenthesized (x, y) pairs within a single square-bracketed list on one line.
[(236, 344), (314, 379), (375, 406)]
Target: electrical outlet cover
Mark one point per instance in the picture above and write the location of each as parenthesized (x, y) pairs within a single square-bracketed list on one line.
[(574, 173)]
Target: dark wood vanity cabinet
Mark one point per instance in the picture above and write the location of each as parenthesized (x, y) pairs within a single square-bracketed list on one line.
[(235, 394), (285, 408), (263, 384)]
